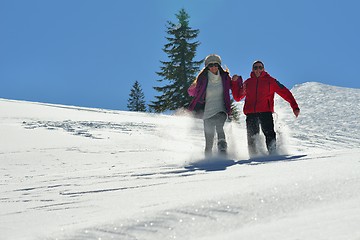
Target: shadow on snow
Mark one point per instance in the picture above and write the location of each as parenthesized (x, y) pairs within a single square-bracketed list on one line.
[(221, 164), (271, 158), (211, 164)]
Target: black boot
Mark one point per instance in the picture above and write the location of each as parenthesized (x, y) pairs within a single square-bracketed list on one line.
[(272, 147), (222, 147)]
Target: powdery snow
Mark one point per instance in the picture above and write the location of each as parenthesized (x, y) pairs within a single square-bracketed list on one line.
[(80, 173)]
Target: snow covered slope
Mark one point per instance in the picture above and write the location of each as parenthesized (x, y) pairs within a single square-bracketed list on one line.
[(330, 117), (79, 173)]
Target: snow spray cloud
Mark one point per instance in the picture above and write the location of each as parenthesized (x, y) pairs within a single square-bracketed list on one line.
[(236, 138), (179, 137), (283, 133)]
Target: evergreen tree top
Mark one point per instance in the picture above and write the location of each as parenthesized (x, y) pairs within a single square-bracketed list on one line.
[(180, 69)]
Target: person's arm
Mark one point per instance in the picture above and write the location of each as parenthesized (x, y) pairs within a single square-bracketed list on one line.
[(287, 96), (237, 88), (192, 89)]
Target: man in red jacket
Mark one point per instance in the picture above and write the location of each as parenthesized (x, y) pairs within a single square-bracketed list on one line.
[(259, 91)]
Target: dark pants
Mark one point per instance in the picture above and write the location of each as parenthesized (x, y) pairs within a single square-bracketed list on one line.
[(253, 123), (210, 125)]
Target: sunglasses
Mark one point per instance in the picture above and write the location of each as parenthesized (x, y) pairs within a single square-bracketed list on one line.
[(213, 65), (258, 67)]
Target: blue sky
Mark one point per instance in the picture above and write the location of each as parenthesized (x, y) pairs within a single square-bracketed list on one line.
[(90, 52)]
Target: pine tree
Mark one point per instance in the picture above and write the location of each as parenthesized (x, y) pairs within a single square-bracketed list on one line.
[(235, 114), (136, 100), (181, 69)]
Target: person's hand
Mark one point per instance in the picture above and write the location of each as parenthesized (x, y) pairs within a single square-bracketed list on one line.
[(235, 78), (296, 112)]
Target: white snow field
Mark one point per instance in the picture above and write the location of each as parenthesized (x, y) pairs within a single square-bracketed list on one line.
[(79, 173)]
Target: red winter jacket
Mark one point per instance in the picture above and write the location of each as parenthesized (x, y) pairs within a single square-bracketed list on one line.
[(259, 93)]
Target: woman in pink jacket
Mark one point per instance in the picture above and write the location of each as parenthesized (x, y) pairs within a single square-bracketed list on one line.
[(211, 102)]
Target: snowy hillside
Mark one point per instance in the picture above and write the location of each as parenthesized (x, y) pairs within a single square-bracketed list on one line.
[(79, 173), (330, 116)]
